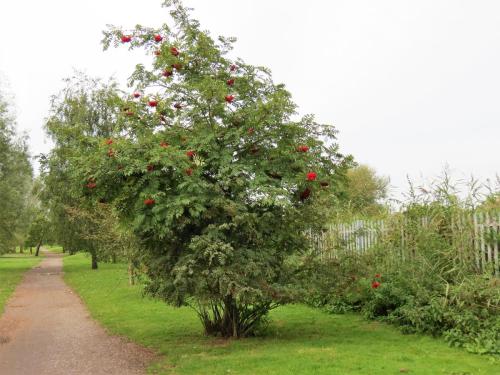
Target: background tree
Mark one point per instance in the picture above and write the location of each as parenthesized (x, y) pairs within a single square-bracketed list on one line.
[(365, 191), (15, 181), (81, 109), (39, 230)]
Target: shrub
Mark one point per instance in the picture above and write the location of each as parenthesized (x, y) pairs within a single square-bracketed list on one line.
[(429, 281)]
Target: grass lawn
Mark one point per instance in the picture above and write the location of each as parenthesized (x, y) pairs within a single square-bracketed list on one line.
[(54, 248), (301, 340), (12, 268)]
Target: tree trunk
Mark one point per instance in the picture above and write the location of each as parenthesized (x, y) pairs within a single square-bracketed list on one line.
[(113, 258), (94, 259), (131, 273), (21, 249), (31, 250), (37, 252), (228, 319), (63, 249)]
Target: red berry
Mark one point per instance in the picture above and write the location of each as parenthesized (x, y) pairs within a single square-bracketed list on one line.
[(190, 153), (129, 113), (126, 38), (251, 131), (136, 94), (305, 194), (149, 202), (164, 144), (109, 141), (233, 68), (153, 103), (157, 52), (311, 176), (177, 66), (174, 51), (303, 148), (167, 73), (230, 82), (378, 276), (375, 284), (158, 38), (91, 185), (111, 153), (177, 105), (189, 171), (229, 98)]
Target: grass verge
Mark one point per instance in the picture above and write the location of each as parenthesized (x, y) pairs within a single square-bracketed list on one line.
[(12, 268), (300, 340)]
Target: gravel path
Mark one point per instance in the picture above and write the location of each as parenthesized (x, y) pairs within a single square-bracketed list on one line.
[(46, 329)]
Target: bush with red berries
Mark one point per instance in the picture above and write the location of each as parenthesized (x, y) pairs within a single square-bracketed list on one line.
[(237, 176)]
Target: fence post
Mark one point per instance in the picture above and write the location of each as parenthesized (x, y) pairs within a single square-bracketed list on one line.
[(497, 230)]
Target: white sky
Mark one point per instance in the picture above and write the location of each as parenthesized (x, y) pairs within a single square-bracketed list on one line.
[(410, 85)]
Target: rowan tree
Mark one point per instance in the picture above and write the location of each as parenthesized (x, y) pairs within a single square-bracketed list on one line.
[(209, 164)]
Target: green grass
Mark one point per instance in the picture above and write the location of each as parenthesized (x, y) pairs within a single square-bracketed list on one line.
[(54, 248), (301, 340), (12, 268)]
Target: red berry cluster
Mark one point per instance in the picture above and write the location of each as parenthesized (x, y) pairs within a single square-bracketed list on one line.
[(376, 283), (311, 176), (149, 202), (91, 183)]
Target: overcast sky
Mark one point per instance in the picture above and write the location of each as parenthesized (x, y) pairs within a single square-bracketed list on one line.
[(410, 85)]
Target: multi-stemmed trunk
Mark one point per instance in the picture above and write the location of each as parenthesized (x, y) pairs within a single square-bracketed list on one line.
[(229, 319)]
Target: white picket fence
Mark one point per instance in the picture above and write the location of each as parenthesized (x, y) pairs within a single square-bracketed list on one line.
[(476, 236)]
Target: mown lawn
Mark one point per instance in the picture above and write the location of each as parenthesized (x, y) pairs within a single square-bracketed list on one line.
[(300, 340), (12, 268), (54, 249)]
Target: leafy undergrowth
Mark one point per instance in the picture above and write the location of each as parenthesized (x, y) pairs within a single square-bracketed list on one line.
[(12, 268), (300, 340)]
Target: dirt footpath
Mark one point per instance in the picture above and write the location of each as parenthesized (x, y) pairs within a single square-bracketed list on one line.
[(47, 330)]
